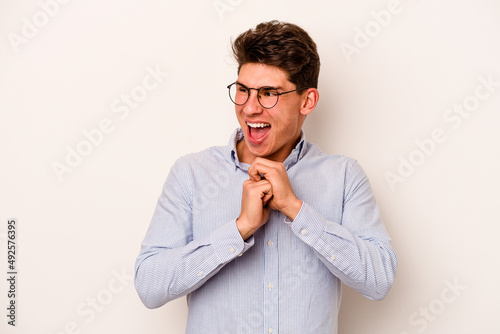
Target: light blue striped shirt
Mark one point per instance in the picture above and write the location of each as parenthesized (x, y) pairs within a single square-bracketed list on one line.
[(287, 277)]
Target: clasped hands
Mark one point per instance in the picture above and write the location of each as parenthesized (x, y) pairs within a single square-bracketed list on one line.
[(267, 187)]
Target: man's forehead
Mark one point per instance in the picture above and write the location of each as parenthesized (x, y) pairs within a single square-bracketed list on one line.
[(258, 75)]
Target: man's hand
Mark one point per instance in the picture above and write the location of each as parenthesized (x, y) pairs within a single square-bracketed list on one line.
[(283, 198), (254, 210)]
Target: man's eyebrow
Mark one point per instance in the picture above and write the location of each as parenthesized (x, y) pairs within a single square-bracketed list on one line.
[(267, 86), (239, 83)]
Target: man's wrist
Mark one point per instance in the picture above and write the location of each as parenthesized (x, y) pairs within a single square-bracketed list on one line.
[(292, 210), (245, 232)]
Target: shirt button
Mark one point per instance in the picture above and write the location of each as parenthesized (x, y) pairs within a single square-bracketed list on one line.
[(200, 274), (303, 232), (270, 243), (270, 330), (270, 286), (240, 254), (333, 258), (231, 250)]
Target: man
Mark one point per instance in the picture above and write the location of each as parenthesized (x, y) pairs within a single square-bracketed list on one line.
[(260, 234)]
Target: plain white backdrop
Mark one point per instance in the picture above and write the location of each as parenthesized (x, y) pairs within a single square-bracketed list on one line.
[(99, 98)]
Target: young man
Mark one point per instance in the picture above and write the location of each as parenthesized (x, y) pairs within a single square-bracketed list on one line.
[(260, 234)]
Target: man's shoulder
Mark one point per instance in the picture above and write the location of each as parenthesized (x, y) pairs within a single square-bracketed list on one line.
[(316, 155), (208, 156), (336, 165)]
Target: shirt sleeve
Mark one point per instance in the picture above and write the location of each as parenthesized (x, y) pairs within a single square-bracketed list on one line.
[(170, 263), (357, 249)]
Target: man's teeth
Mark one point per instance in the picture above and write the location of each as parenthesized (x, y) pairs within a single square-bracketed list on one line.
[(258, 125)]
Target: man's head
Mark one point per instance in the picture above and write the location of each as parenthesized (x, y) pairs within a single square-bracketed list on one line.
[(282, 58), (283, 45)]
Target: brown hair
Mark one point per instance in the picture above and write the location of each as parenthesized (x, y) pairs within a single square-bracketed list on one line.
[(284, 45)]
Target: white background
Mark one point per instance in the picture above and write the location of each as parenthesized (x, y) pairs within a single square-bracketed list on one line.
[(79, 232)]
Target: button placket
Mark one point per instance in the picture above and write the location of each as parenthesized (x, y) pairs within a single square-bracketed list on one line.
[(271, 270)]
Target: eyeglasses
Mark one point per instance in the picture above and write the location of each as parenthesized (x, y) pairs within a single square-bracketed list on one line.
[(267, 96)]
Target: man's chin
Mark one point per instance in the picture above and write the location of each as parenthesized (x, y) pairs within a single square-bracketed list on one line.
[(260, 152), (248, 152)]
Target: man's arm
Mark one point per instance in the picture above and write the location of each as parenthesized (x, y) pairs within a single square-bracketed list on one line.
[(356, 249), (171, 264), (254, 209)]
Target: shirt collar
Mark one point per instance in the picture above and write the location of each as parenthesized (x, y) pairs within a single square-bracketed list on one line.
[(294, 157)]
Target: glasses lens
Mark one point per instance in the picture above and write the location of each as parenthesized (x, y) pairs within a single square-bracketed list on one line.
[(268, 97), (238, 94)]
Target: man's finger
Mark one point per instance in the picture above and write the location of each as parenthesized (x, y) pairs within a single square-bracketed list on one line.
[(261, 187), (268, 195), (258, 171)]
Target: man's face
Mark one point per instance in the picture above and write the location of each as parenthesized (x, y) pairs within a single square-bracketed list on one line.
[(282, 123)]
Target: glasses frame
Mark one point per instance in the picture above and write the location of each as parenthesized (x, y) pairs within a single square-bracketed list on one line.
[(278, 94)]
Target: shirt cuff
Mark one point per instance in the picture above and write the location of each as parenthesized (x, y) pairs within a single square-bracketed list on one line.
[(228, 243), (307, 226)]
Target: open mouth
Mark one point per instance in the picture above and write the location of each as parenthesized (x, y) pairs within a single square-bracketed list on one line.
[(258, 131)]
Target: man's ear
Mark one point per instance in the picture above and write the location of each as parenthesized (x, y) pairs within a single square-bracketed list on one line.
[(310, 100)]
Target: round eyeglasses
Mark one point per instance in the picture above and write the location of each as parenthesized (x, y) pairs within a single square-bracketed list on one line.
[(267, 96)]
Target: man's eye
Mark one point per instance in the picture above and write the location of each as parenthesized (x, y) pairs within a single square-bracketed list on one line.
[(241, 88), (269, 93)]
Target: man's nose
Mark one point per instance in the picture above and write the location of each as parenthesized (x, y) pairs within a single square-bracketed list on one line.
[(253, 106)]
